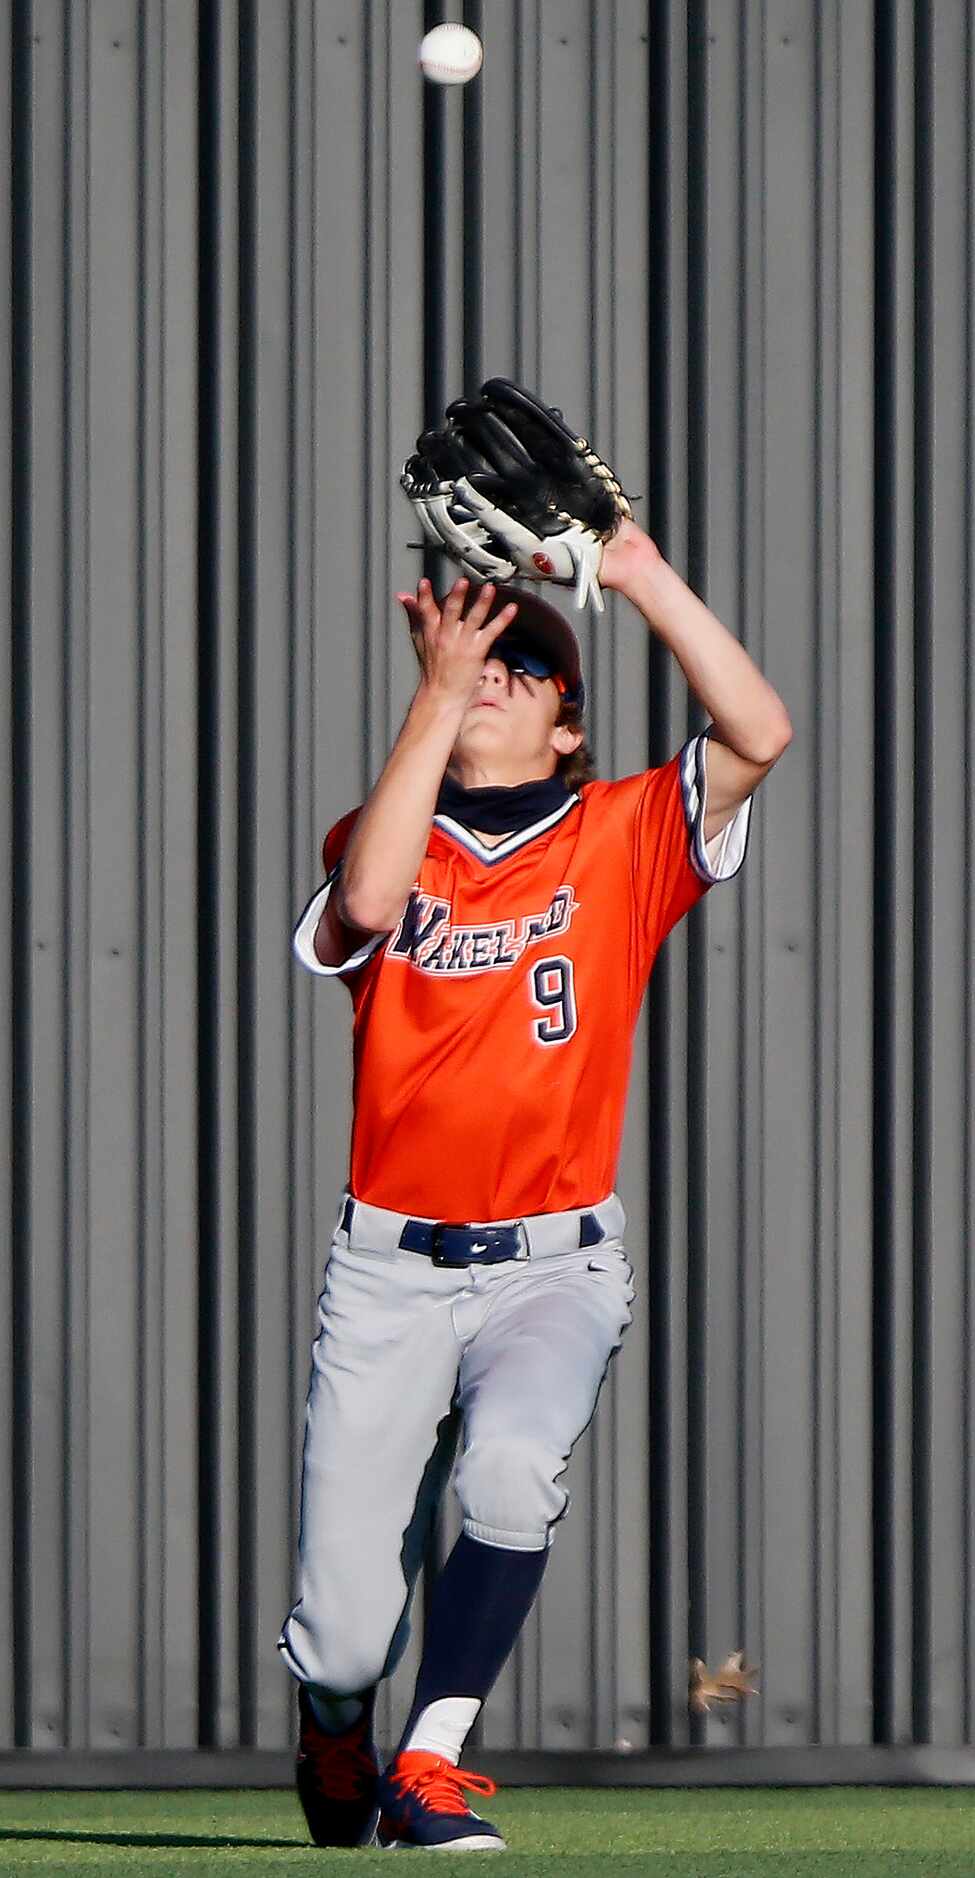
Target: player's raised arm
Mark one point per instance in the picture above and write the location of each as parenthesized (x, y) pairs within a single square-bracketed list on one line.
[(389, 839), (751, 723)]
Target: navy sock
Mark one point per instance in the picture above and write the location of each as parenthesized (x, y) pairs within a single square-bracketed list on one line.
[(480, 1601)]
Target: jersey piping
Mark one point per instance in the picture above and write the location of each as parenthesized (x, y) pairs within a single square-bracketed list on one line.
[(720, 858), (304, 936)]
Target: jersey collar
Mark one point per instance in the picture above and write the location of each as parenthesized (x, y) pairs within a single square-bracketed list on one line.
[(511, 843)]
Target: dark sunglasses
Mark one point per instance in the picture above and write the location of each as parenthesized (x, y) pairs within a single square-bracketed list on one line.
[(518, 657)]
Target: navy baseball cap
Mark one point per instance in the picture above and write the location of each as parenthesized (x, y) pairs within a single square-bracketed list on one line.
[(540, 632), (542, 642)]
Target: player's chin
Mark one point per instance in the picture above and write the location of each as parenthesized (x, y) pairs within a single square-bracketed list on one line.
[(482, 726)]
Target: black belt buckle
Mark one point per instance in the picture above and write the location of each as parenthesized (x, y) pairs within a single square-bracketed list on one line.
[(454, 1244)]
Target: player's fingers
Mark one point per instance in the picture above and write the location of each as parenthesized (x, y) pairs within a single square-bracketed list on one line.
[(423, 609), (453, 606), (411, 607), (478, 613), (495, 627)]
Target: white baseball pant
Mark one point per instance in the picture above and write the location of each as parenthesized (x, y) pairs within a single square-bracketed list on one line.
[(409, 1355)]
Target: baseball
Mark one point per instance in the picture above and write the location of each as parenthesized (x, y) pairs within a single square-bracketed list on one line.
[(450, 55)]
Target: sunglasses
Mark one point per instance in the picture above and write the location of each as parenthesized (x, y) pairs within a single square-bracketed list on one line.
[(519, 658)]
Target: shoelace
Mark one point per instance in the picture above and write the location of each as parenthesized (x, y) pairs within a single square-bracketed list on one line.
[(342, 1765), (439, 1784)]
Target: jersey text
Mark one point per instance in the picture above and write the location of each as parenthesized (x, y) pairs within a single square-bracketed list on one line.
[(427, 939)]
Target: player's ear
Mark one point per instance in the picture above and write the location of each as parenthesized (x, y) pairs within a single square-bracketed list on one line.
[(565, 740)]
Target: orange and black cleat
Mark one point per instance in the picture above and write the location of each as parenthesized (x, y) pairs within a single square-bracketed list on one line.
[(422, 1800), (337, 1778)]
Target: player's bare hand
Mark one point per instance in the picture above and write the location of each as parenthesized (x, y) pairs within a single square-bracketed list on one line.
[(629, 552), (454, 640)]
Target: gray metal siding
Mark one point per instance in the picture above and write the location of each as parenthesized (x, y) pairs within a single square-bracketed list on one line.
[(9, 1509), (249, 255)]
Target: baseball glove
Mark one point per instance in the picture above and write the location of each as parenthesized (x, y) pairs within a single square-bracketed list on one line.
[(507, 489)]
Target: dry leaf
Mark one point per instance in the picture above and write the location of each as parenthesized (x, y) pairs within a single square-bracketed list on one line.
[(727, 1684)]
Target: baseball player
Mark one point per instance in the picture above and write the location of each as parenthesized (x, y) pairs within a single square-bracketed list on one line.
[(495, 912)]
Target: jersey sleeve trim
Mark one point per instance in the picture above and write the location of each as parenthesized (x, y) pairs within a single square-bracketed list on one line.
[(720, 858), (303, 941)]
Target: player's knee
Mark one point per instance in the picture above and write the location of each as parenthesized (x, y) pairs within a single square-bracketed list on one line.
[(331, 1657), (509, 1490)]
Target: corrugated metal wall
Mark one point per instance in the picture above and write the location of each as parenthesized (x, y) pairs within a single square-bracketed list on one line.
[(248, 256)]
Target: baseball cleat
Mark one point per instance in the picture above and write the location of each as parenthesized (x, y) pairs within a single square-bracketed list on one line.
[(337, 1777), (422, 1804)]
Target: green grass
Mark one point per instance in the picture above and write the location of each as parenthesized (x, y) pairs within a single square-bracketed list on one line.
[(868, 1832)]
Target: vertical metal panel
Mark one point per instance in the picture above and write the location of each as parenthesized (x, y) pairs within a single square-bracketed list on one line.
[(19, 1015), (249, 256), (302, 1198), (722, 384), (967, 936), (171, 1665), (265, 819), (842, 936), (75, 925), (223, 334), (44, 923), (787, 473), (114, 834), (946, 178), (893, 1199), (7, 445), (668, 1304), (752, 1402), (167, 1307)]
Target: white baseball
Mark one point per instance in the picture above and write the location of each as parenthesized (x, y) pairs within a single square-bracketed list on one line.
[(450, 55)]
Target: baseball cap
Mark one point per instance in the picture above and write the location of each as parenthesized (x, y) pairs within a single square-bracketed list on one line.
[(540, 634)]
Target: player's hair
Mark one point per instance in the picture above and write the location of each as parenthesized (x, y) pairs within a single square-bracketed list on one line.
[(579, 767)]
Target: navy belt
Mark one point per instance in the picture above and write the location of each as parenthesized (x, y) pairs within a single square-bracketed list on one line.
[(447, 1243)]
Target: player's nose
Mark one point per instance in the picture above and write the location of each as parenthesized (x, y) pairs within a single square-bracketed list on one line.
[(495, 674)]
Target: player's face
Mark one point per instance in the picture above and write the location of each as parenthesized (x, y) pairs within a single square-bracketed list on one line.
[(510, 733)]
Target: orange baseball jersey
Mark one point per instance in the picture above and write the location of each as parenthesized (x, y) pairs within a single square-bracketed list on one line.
[(493, 1028)]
